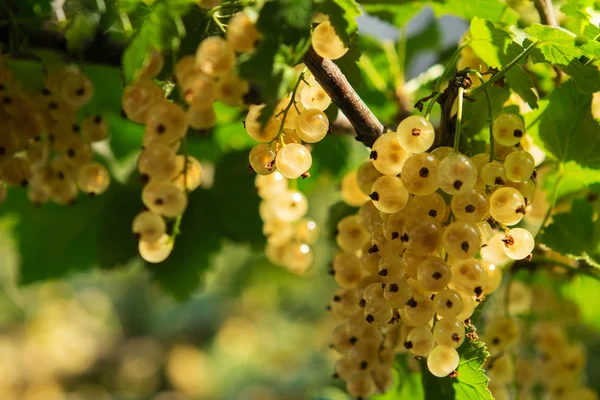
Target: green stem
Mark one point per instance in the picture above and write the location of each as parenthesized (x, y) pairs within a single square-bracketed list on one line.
[(177, 225), (553, 198), (507, 68), (434, 100), (449, 70), (459, 111), (570, 268), (291, 103)]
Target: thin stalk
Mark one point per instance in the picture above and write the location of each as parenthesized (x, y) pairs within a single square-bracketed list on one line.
[(507, 68), (459, 111), (434, 100), (177, 225), (570, 268), (561, 173), (291, 103), (449, 70)]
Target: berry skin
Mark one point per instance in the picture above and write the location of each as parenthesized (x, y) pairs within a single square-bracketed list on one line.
[(469, 277), (312, 125), (166, 124), (518, 243), (442, 361), (508, 129), (93, 179), (351, 193), (140, 98), (327, 43), (158, 251), (507, 206), (389, 194), (422, 235), (262, 159), (149, 227), (215, 56), (420, 174), (164, 198), (388, 155), (242, 34), (290, 205), (457, 174), (350, 235), (434, 274), (158, 162), (419, 341), (493, 174), (448, 303), (449, 332), (472, 206), (255, 129), (461, 240), (293, 160), (519, 165), (366, 175), (416, 134)]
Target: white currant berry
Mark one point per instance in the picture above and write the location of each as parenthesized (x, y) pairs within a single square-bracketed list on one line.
[(157, 251), (508, 129), (416, 134), (293, 160), (518, 243)]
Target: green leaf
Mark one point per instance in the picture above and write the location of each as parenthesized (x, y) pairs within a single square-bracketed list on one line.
[(108, 89), (349, 66), (273, 77), (286, 19), (56, 240), (162, 29), (81, 30), (575, 179), (558, 45), (471, 383), (558, 48), (568, 129), (572, 233), (342, 15), (396, 14), (495, 47), (125, 136), (228, 210), (407, 383), (493, 10)]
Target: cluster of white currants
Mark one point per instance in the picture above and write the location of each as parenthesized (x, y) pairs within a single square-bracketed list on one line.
[(202, 78), (299, 119), (534, 352), (289, 233), (42, 144), (407, 263)]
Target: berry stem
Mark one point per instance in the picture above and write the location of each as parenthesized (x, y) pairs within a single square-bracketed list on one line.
[(553, 198), (292, 101), (570, 268), (449, 70), (507, 68), (459, 111), (434, 100)]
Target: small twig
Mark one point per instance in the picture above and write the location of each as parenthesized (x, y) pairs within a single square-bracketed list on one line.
[(367, 126), (286, 110)]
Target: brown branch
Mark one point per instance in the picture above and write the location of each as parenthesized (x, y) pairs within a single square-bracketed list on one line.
[(367, 126), (546, 11)]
